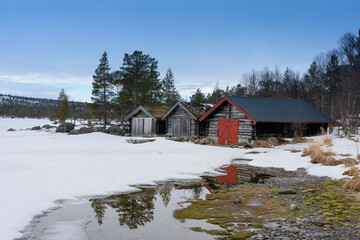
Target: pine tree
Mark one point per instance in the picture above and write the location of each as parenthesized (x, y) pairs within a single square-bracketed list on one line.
[(64, 108), (198, 97), (103, 88), (140, 79), (170, 94)]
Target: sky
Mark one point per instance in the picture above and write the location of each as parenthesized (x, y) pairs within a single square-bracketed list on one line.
[(49, 45)]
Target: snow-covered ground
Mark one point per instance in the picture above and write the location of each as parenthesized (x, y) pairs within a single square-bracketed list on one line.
[(39, 167)]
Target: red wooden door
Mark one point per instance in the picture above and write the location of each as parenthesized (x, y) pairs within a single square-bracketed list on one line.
[(228, 131)]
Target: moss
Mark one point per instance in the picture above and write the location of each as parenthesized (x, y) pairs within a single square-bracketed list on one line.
[(242, 235), (197, 229), (217, 232), (333, 202)]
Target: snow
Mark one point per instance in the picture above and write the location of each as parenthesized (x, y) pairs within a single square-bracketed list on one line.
[(39, 167), (67, 230)]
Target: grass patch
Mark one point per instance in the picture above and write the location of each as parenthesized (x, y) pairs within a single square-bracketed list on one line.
[(219, 208), (299, 140), (333, 202)]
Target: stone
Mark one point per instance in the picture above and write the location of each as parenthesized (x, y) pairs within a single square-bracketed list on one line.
[(237, 201), (46, 126), (294, 207), (272, 139), (286, 192), (82, 130), (36, 128), (65, 128), (11, 130), (116, 130)]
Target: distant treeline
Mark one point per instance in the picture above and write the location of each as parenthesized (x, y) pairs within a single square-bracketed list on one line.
[(18, 106), (331, 84)]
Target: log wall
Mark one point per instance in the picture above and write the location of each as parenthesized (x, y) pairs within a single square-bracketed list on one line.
[(228, 111)]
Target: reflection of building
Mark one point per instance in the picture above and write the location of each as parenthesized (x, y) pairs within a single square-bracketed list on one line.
[(231, 176), (241, 119)]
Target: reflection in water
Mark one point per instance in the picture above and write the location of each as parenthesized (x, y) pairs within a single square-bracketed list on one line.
[(134, 209), (137, 209)]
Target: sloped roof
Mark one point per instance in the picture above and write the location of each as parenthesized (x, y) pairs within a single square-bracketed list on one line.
[(194, 111), (274, 110), (153, 112)]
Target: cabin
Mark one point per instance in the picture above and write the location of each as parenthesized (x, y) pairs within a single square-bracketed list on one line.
[(242, 119), (182, 120), (146, 122)]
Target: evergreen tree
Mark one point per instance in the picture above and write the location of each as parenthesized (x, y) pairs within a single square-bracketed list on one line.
[(198, 97), (103, 88), (237, 90), (64, 108), (140, 79), (170, 94)]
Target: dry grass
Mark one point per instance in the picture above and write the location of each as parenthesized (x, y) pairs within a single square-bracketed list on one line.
[(318, 155), (354, 171), (294, 150), (349, 162), (354, 183), (328, 142), (299, 140), (358, 157), (252, 152), (345, 155)]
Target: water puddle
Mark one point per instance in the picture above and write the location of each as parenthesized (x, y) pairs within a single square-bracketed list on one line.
[(146, 214)]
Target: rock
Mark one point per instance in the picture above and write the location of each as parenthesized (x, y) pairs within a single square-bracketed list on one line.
[(237, 201), (46, 126), (272, 139), (101, 129), (36, 128), (82, 130), (294, 207), (116, 130), (65, 128), (286, 192), (11, 130)]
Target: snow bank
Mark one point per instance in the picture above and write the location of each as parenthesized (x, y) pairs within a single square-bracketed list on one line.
[(38, 168)]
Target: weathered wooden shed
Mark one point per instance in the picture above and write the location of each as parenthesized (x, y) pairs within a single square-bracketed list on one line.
[(239, 119), (182, 120), (146, 122)]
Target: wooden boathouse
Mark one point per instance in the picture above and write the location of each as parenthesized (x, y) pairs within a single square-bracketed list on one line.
[(242, 119), (182, 120), (146, 122)]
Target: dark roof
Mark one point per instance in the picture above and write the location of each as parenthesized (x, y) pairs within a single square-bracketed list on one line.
[(275, 110), (153, 112), (194, 111)]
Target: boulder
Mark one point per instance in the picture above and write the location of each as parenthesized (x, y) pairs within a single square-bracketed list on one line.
[(100, 129), (116, 130), (286, 192), (46, 126), (36, 128), (11, 130), (294, 207), (237, 201), (65, 128), (82, 130)]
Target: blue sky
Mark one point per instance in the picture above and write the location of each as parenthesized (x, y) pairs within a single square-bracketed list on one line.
[(49, 45)]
